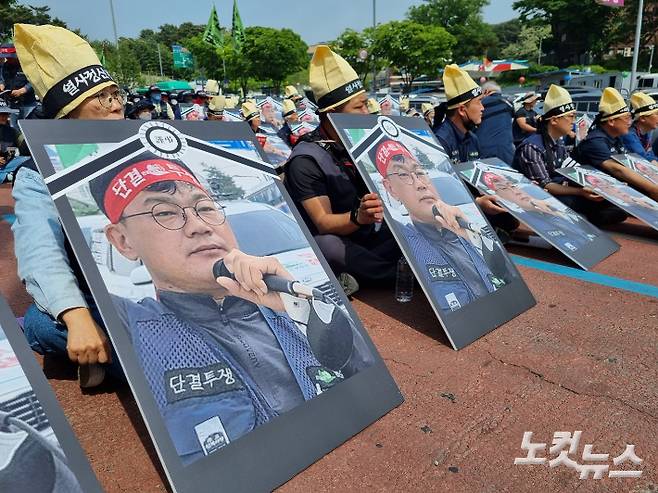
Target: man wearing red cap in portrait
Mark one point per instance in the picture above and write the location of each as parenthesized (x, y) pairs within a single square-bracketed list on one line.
[(455, 270), (233, 329)]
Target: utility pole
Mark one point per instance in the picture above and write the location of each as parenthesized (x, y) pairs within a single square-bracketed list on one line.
[(160, 60), (636, 48), (116, 37), (651, 59), (374, 67)]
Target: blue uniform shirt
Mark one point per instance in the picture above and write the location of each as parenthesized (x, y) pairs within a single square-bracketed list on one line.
[(597, 147), (495, 131), (637, 143), (460, 147)]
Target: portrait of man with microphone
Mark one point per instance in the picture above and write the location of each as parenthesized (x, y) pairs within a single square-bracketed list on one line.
[(232, 341), (440, 237)]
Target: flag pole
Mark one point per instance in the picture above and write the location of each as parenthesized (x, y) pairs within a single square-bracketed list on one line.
[(636, 49)]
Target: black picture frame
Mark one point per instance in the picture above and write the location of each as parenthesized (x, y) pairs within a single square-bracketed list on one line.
[(480, 316), (272, 453)]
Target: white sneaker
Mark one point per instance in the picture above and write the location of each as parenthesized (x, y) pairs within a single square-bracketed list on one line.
[(90, 376), (348, 283)]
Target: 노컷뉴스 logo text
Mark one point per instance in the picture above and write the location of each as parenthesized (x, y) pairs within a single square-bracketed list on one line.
[(565, 444)]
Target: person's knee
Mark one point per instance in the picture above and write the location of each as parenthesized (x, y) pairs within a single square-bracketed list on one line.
[(43, 333), (333, 249)]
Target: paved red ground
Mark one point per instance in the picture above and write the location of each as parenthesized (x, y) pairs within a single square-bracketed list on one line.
[(585, 358)]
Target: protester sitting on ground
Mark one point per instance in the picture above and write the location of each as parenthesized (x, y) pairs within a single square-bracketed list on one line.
[(454, 122), (604, 140), (216, 108), (428, 113), (251, 114), (8, 134), (63, 320), (12, 78), (495, 130), (290, 117), (290, 92), (538, 156), (373, 106), (645, 120), (525, 118), (330, 195)]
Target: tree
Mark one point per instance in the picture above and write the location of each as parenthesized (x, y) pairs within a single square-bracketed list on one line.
[(620, 19), (11, 12), (528, 45), (578, 26), (462, 19), (350, 43), (413, 49), (222, 186), (507, 33), (274, 54), (123, 65)]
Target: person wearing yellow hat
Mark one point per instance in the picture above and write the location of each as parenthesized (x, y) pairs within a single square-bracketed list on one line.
[(525, 118), (428, 113), (454, 122), (216, 108), (70, 81), (538, 156), (290, 116), (373, 106), (330, 195), (604, 140), (291, 93), (251, 114), (645, 120)]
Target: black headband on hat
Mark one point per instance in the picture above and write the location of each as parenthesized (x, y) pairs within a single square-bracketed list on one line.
[(215, 112), (559, 110), (289, 113), (72, 86), (467, 96), (340, 93), (620, 111), (251, 116), (649, 107)]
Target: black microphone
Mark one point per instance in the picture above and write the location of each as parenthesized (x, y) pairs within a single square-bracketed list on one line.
[(273, 282), (460, 220), (328, 330)]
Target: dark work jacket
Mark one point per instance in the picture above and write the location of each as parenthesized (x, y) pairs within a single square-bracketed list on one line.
[(459, 147), (495, 131)]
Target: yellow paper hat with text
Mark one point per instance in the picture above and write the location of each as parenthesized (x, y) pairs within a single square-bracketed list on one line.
[(612, 104), (332, 79), (459, 86), (643, 104), (63, 68), (557, 102)]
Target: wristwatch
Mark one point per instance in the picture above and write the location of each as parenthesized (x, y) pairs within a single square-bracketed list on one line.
[(354, 213)]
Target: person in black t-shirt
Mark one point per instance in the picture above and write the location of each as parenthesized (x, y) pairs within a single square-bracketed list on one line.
[(327, 190), (525, 119)]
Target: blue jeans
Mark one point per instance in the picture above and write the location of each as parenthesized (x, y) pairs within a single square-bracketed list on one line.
[(46, 336)]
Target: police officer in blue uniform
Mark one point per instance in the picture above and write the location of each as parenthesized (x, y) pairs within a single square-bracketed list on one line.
[(220, 354), (455, 270), (495, 131), (604, 139), (543, 152)]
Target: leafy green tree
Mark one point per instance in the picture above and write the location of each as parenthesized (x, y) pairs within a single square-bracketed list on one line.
[(577, 26), (507, 34), (273, 54), (528, 45), (413, 49), (11, 12), (350, 43), (123, 64), (462, 19)]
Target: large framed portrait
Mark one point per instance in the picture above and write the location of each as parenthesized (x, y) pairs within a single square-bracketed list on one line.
[(562, 227), (246, 360), (620, 194), (456, 257), (38, 450), (641, 166)]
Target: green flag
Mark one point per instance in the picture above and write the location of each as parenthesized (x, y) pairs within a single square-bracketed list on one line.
[(213, 33), (237, 29)]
